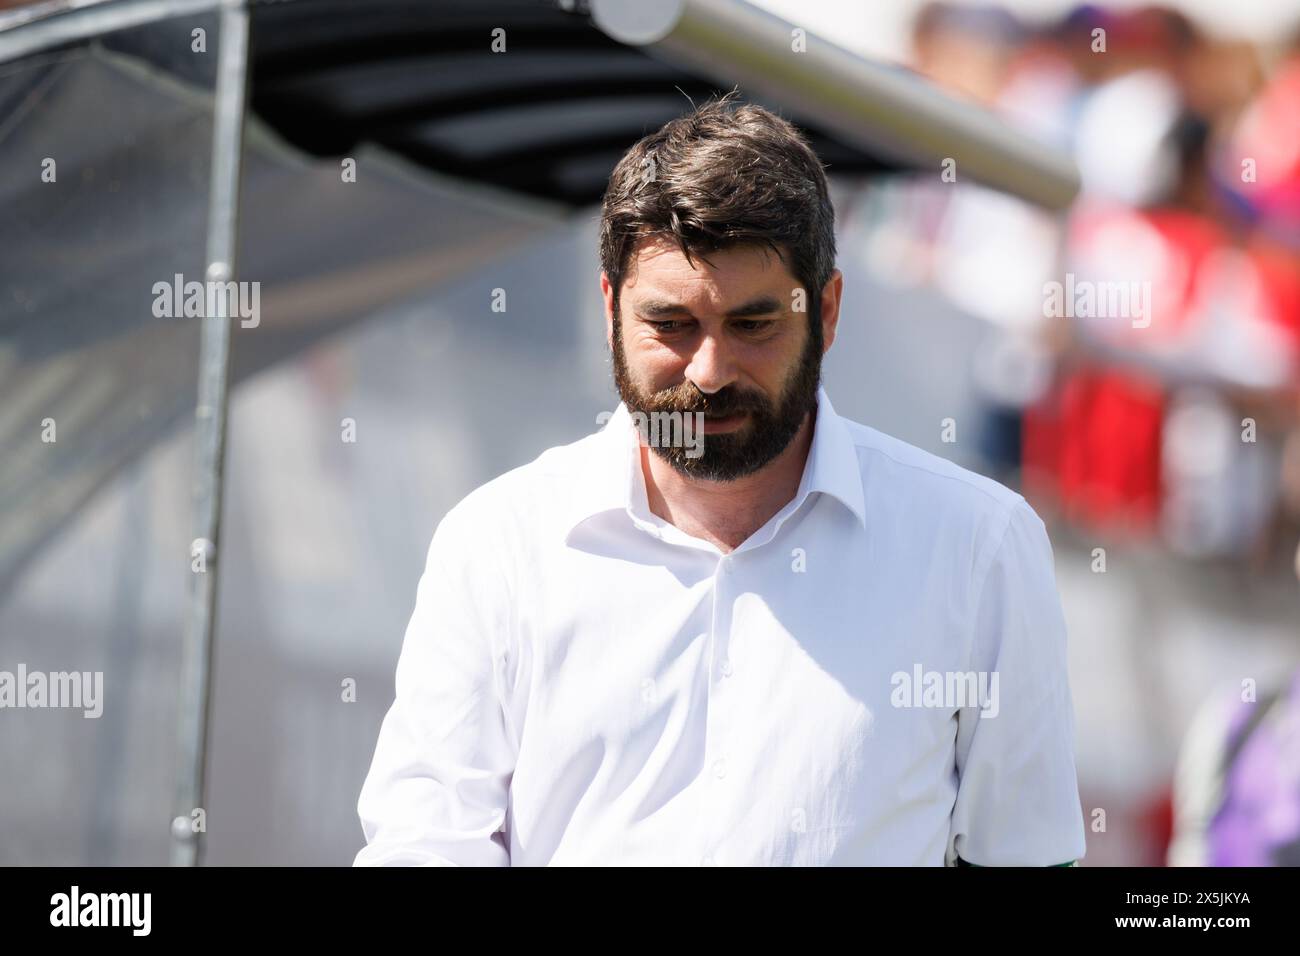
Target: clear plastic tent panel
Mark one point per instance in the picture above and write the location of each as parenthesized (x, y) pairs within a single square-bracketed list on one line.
[(106, 150)]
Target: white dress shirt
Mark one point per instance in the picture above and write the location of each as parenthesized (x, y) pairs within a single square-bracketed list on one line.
[(583, 683)]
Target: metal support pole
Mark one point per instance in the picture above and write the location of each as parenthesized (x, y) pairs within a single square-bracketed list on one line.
[(878, 107), (188, 826)]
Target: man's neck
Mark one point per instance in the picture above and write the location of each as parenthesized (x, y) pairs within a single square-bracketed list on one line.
[(726, 513)]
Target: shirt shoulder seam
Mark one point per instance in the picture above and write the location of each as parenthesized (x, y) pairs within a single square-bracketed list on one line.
[(938, 473)]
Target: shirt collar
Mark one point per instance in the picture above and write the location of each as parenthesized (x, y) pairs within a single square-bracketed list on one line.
[(611, 475)]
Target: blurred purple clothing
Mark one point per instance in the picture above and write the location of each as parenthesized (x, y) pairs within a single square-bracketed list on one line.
[(1258, 822)]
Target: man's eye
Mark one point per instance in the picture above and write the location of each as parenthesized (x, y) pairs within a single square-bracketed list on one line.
[(754, 325), (668, 325)]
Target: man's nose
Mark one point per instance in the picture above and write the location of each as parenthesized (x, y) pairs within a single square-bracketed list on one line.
[(711, 367)]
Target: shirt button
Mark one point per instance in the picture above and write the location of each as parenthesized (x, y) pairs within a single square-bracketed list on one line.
[(726, 667), (719, 768)]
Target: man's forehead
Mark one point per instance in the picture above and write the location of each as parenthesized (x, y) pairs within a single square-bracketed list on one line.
[(658, 265)]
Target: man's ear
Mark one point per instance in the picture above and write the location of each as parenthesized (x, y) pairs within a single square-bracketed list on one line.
[(831, 294), (607, 292)]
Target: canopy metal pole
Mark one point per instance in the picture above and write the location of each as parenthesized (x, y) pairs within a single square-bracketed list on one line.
[(880, 107), (30, 29), (189, 823)]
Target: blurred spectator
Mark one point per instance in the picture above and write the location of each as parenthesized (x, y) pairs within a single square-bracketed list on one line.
[(1237, 788)]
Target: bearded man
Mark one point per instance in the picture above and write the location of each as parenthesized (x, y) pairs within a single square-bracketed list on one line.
[(634, 652)]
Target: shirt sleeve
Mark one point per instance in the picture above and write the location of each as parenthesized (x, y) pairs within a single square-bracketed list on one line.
[(1018, 797), (437, 793)]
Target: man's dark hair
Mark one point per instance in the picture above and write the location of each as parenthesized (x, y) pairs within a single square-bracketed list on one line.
[(725, 174)]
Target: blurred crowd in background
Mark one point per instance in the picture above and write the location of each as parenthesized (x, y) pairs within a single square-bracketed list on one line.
[(1182, 424), (1175, 424)]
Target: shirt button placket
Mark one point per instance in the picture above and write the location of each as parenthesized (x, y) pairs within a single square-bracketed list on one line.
[(722, 615), (716, 792)]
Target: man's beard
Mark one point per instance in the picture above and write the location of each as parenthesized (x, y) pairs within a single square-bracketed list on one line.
[(726, 456)]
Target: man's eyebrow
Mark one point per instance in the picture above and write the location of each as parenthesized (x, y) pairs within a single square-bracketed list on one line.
[(660, 308)]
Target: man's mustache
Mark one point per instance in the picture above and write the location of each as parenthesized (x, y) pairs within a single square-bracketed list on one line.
[(687, 398)]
